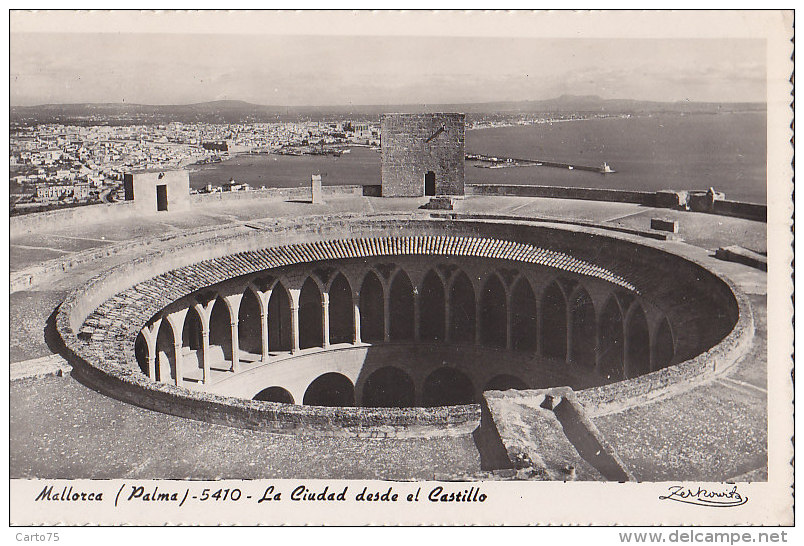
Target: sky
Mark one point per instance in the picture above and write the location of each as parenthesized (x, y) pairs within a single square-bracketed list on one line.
[(296, 70)]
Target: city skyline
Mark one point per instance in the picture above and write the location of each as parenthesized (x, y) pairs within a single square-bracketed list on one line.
[(167, 69)]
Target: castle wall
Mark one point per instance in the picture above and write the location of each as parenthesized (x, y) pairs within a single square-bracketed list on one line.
[(87, 214), (661, 199), (350, 190), (415, 144)]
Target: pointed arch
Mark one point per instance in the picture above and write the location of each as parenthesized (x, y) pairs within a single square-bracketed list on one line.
[(372, 309), (401, 310), (494, 313), (192, 330), (462, 309), (165, 353), (192, 339), (431, 308), (141, 353), (610, 341), (524, 326), (554, 322), (279, 327), (311, 321), (341, 313), (663, 346), (637, 357), (249, 327), (220, 328), (583, 329)]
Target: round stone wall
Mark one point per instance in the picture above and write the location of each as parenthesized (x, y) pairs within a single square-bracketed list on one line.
[(291, 311)]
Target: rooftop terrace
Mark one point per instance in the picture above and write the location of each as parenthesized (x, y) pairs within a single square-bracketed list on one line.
[(60, 428)]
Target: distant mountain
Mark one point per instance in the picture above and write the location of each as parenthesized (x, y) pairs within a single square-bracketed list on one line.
[(235, 111)]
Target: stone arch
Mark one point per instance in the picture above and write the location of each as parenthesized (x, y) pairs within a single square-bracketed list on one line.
[(494, 313), (220, 328), (192, 332), (554, 322), (448, 387), (280, 335), (141, 353), (637, 354), (663, 346), (311, 322), (341, 313), (524, 326), (504, 382), (249, 326), (275, 394), (389, 387), (611, 341), (165, 353), (431, 308), (401, 307), (583, 329), (462, 309), (330, 389), (372, 309), (192, 339)]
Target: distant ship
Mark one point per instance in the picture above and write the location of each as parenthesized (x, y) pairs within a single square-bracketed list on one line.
[(605, 169)]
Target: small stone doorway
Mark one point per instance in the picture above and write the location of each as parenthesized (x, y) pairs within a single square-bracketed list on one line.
[(429, 183), (161, 197)]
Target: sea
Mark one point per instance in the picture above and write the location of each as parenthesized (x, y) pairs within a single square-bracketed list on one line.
[(725, 151)]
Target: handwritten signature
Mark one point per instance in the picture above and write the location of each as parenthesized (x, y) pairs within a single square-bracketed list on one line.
[(725, 498)]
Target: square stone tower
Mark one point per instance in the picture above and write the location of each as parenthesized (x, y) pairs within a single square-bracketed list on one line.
[(154, 191), (422, 154)]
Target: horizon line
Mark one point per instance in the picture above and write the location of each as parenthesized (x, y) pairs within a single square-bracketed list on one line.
[(593, 97)]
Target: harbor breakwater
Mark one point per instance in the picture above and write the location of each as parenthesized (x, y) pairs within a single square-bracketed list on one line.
[(505, 162)]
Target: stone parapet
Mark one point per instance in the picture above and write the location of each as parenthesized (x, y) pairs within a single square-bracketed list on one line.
[(674, 199)]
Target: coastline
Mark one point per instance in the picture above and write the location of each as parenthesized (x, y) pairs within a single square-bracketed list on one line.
[(648, 153)]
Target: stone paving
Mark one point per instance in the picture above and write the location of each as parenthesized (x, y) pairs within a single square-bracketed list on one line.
[(29, 312), (62, 429), (706, 443), (40, 367), (59, 428)]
